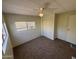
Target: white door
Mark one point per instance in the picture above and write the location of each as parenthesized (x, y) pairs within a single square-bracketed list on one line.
[(61, 27), (71, 30)]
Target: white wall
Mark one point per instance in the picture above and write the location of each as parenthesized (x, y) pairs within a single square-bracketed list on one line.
[(20, 37), (47, 27)]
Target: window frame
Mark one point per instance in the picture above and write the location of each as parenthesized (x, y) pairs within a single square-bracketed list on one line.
[(4, 40)]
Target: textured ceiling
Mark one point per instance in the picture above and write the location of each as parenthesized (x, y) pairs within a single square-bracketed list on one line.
[(31, 7)]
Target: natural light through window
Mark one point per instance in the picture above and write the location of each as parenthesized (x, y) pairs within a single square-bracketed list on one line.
[(20, 26), (31, 25)]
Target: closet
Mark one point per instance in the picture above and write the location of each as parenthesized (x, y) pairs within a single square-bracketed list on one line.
[(66, 27), (71, 29)]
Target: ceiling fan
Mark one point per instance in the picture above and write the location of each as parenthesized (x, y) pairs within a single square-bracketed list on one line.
[(42, 9), (45, 6)]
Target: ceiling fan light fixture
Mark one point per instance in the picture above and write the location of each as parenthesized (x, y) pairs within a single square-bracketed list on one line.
[(41, 8), (41, 14)]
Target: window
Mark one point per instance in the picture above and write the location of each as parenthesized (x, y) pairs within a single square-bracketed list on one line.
[(4, 37), (20, 26), (31, 25)]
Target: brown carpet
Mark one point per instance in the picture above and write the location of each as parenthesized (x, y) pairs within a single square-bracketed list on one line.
[(44, 48)]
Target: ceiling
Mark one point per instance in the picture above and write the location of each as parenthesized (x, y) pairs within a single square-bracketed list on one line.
[(31, 7)]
